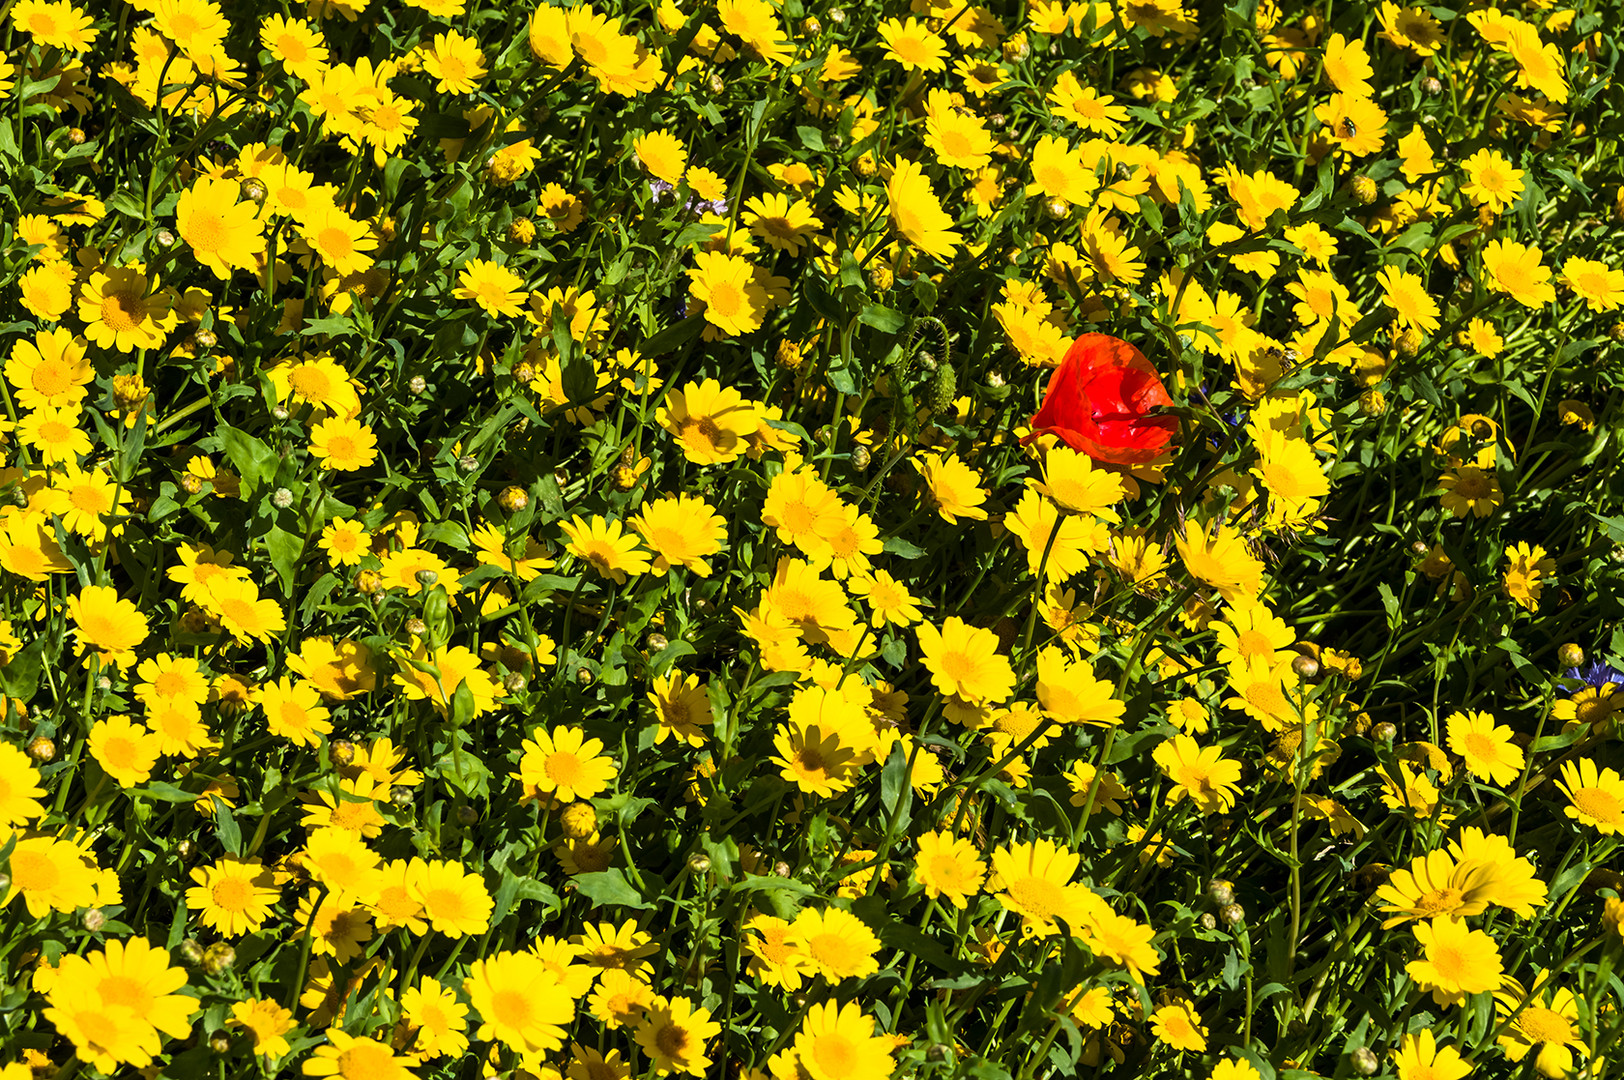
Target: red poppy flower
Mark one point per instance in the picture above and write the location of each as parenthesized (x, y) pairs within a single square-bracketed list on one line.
[(1099, 403)]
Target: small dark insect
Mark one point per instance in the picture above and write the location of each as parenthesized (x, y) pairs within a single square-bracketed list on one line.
[(1349, 129)]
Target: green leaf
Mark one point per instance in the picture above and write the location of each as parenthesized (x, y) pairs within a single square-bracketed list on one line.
[(882, 318), (253, 460), (609, 887), (673, 337), (225, 827)]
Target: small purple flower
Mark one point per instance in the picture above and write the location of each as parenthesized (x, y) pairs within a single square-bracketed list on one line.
[(1596, 674)]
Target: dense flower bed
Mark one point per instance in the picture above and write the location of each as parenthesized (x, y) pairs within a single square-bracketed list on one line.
[(810, 542)]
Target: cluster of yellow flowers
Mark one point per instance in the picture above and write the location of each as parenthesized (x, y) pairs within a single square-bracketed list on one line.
[(808, 542)]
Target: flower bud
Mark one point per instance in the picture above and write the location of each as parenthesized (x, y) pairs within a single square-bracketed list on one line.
[(93, 919), (103, 683), (1220, 892), (468, 463), (1409, 342), (788, 355), (1058, 209), (1232, 914), (417, 384), (521, 230), (467, 815), (280, 413), (401, 797), (164, 237), (1384, 732), (583, 676), (220, 1043), (783, 869), (341, 752), (281, 498), (1016, 48), (1570, 655), (76, 136), (578, 821), (426, 578), (1209, 921), (699, 863), (810, 26), (1431, 87), (186, 849), (513, 499), (369, 582), (218, 958), (656, 641), (253, 189), (1365, 1061), (1363, 189), (514, 682), (881, 278), (190, 952), (416, 627), (1306, 668), (860, 457), (1373, 403), (936, 1052)]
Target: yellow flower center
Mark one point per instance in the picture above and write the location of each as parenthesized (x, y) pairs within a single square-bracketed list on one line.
[(1597, 804), (446, 903), (34, 872), (206, 232), (1541, 1025), (1038, 898), (367, 1060), (241, 612), (672, 1040), (122, 311), (341, 448), (120, 752), (1482, 747), (233, 894), (51, 377), (701, 433), (1438, 902), (836, 1054), (565, 769), (292, 48), (335, 244), (511, 1008)]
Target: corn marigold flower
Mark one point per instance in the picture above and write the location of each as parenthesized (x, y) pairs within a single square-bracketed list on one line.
[(673, 1033), (681, 707), (566, 764), (234, 896), (1419, 1057), (104, 622), (1489, 752), (913, 45), (838, 943), (55, 25), (1456, 960), (1179, 1026), (1595, 796), (916, 212), (1600, 286), (1527, 575), (726, 284), (604, 544), (756, 23), (1517, 270), (838, 1042), (456, 62), (1201, 774), (496, 289), (123, 310), (51, 371), (1544, 1022), (1470, 490), (1491, 181), (268, 1023), (223, 233), (948, 865)]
